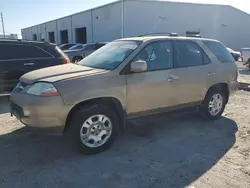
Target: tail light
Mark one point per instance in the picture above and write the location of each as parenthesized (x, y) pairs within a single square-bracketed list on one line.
[(66, 60)]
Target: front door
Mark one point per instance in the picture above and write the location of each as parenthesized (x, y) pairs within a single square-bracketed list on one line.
[(150, 90)]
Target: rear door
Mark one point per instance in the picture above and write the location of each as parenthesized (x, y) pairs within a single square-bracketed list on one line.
[(17, 59), (11, 66), (193, 73), (35, 57)]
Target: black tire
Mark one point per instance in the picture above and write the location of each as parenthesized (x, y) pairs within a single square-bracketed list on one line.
[(204, 108), (81, 116)]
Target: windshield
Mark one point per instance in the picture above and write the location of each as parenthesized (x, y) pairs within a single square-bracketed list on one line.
[(111, 55), (77, 47)]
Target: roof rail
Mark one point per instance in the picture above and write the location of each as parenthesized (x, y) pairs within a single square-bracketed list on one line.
[(23, 40), (160, 34)]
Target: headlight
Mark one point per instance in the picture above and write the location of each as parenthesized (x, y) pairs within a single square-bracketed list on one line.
[(43, 89)]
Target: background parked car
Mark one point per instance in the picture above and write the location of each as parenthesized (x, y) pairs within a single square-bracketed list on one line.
[(18, 57), (66, 46), (245, 53), (236, 55), (79, 51)]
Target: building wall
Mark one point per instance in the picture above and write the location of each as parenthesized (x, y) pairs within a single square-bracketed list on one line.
[(65, 24), (52, 27), (102, 24), (83, 20), (213, 21), (225, 23), (107, 23), (41, 31)]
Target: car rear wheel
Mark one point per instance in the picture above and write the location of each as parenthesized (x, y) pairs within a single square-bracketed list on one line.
[(94, 128), (213, 105)]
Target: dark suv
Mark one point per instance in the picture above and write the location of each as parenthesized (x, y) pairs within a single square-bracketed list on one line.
[(18, 57)]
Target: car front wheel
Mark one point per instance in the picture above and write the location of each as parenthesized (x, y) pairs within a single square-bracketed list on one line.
[(94, 128)]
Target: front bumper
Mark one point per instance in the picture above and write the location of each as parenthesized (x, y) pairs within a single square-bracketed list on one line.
[(48, 113)]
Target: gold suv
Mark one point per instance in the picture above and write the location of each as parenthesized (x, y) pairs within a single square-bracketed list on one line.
[(126, 78)]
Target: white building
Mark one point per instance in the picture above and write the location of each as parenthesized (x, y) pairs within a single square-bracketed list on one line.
[(132, 18)]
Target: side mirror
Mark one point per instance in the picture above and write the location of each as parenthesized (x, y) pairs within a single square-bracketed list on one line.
[(139, 66)]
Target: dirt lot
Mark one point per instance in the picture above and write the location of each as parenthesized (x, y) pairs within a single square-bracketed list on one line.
[(164, 151)]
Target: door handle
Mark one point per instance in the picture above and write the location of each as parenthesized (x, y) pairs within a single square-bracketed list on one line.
[(28, 64), (211, 73), (172, 78)]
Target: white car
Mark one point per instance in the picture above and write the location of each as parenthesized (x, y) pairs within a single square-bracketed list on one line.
[(245, 53)]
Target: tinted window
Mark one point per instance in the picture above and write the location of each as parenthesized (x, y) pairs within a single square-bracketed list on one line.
[(187, 53), (97, 46), (21, 51), (158, 55), (219, 51), (77, 47), (90, 47)]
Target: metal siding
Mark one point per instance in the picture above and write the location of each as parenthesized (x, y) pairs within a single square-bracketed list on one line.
[(51, 27), (65, 24), (107, 23), (225, 23), (82, 20), (34, 31), (213, 21), (41, 31)]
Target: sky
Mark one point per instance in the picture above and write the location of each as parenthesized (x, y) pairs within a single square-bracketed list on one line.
[(19, 14)]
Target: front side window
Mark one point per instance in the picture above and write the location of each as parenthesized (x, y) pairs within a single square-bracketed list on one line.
[(111, 55), (219, 51), (158, 55), (187, 54)]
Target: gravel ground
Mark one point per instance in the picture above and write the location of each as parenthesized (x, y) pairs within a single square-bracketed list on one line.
[(244, 73), (163, 151)]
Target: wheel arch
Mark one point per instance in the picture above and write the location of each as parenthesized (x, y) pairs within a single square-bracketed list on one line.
[(110, 101), (222, 87)]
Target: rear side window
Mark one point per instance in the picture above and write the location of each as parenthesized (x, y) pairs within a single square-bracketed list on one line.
[(21, 51), (97, 46), (219, 51), (90, 47), (187, 54)]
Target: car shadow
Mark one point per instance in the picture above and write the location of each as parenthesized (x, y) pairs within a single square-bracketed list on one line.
[(161, 151), (245, 72), (4, 105)]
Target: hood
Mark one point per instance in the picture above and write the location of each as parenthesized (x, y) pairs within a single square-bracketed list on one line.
[(60, 72)]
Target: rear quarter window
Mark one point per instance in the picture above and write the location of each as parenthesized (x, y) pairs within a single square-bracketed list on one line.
[(220, 51)]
